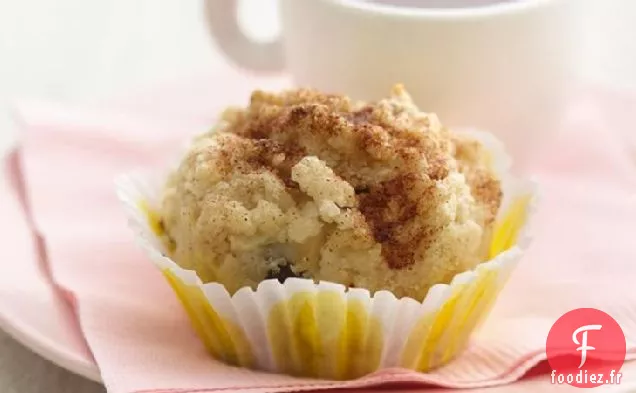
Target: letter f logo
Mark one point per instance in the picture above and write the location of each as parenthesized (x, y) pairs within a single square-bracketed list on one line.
[(583, 344)]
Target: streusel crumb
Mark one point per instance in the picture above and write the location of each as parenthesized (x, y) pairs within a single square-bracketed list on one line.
[(373, 195)]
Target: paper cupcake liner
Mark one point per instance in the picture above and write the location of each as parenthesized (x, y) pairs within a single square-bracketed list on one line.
[(326, 330)]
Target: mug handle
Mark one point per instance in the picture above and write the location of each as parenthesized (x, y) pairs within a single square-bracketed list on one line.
[(222, 21)]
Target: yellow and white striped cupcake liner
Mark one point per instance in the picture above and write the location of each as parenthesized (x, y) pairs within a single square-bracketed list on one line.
[(325, 330)]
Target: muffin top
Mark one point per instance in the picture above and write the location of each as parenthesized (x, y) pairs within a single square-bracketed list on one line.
[(301, 179)]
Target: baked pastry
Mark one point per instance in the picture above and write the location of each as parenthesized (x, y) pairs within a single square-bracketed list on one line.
[(318, 236), (304, 184)]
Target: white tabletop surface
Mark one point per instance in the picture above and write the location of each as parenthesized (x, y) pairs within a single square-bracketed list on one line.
[(79, 50)]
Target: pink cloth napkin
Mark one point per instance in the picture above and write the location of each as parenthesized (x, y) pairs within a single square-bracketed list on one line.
[(583, 255)]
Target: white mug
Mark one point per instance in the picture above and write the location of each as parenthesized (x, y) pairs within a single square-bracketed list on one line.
[(501, 65)]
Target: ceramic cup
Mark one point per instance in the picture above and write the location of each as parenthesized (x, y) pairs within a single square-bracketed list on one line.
[(505, 66)]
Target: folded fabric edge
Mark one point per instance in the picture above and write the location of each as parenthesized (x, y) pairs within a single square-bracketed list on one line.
[(12, 164)]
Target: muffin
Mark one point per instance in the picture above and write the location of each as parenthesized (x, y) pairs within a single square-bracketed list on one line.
[(304, 184), (315, 235)]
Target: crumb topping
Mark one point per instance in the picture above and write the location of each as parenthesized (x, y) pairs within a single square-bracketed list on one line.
[(319, 181)]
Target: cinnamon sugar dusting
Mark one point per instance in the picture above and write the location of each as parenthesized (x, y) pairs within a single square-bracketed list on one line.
[(374, 195)]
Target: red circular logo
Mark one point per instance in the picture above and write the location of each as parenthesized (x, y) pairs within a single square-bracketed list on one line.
[(586, 348)]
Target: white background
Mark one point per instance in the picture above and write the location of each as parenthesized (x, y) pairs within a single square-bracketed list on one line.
[(71, 50), (78, 50)]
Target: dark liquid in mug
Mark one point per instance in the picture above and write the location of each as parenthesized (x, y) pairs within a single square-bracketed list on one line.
[(439, 4)]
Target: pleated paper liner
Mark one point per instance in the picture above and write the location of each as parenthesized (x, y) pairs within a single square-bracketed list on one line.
[(325, 330)]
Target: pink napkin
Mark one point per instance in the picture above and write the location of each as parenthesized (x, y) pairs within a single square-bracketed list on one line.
[(583, 255)]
